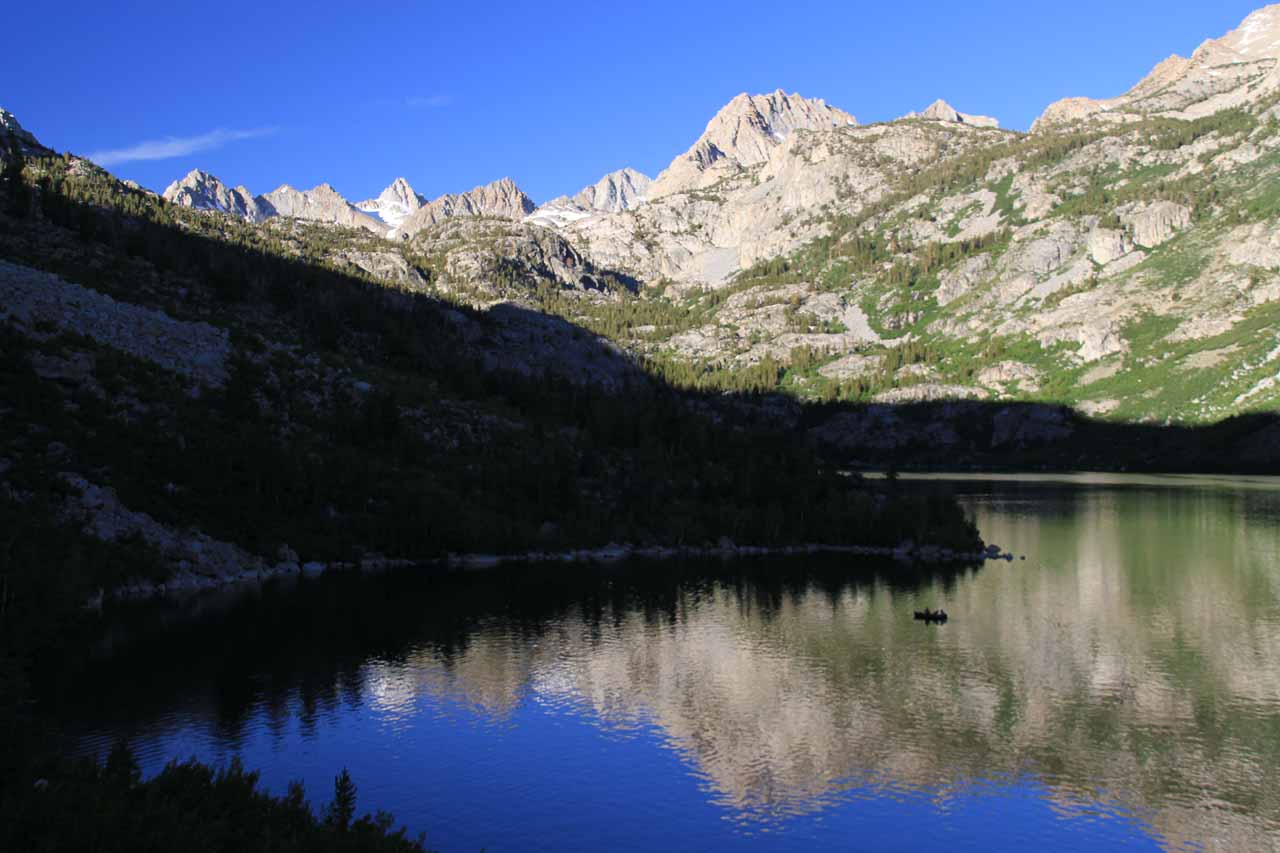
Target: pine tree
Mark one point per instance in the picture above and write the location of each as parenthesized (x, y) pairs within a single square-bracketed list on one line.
[(343, 808)]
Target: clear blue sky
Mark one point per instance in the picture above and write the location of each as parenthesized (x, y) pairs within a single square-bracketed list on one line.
[(553, 94)]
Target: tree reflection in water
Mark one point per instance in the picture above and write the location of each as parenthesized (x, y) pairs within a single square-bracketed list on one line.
[(1134, 658)]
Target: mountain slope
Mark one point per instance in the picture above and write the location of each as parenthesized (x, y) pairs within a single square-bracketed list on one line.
[(1127, 268), (1121, 259), (213, 400), (759, 209)]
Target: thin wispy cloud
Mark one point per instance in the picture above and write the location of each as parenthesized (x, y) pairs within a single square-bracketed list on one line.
[(176, 146), (429, 101)]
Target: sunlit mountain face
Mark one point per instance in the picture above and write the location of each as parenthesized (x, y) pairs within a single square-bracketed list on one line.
[(1121, 680)]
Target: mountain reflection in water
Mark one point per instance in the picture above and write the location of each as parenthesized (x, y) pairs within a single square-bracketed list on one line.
[(1129, 667)]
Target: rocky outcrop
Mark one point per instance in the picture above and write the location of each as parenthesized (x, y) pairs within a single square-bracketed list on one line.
[(318, 204), (1156, 223), (1107, 244), (202, 191), (501, 199), (1222, 73), (488, 256), (940, 110), (390, 267), (393, 205), (744, 133)]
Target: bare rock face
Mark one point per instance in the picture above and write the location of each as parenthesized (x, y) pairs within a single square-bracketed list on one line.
[(940, 110), (1222, 73), (394, 205), (744, 133), (1156, 223), (1107, 245), (319, 204), (501, 199), (929, 392), (617, 191), (202, 191)]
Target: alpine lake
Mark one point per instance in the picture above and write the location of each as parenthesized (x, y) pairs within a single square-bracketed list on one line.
[(1117, 688)]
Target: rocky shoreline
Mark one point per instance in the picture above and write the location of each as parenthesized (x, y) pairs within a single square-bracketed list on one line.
[(196, 562), (190, 582)]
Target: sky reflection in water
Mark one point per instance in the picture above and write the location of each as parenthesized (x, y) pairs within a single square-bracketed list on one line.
[(1120, 687)]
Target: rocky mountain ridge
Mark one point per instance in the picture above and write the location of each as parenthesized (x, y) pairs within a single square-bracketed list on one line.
[(932, 257), (319, 204), (397, 213), (617, 191), (1223, 73), (501, 199), (203, 191)]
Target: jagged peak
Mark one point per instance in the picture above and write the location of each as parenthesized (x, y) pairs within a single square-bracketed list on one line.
[(400, 188), (772, 103), (503, 183), (744, 132), (196, 177), (202, 191)]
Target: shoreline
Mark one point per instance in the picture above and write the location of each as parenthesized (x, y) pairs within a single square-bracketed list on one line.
[(188, 583)]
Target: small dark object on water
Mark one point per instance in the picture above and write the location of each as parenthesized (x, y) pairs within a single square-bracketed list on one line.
[(932, 616)]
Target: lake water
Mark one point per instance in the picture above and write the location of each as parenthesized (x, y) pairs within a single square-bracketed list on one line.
[(1120, 688)]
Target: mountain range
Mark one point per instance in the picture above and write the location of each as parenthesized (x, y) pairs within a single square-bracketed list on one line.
[(1120, 258), (222, 383)]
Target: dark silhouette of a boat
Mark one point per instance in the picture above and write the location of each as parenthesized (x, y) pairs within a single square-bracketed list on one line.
[(933, 617)]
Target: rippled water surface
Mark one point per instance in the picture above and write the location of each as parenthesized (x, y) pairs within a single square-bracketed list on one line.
[(1118, 688)]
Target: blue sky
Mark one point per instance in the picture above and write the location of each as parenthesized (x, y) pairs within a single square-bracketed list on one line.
[(553, 94)]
